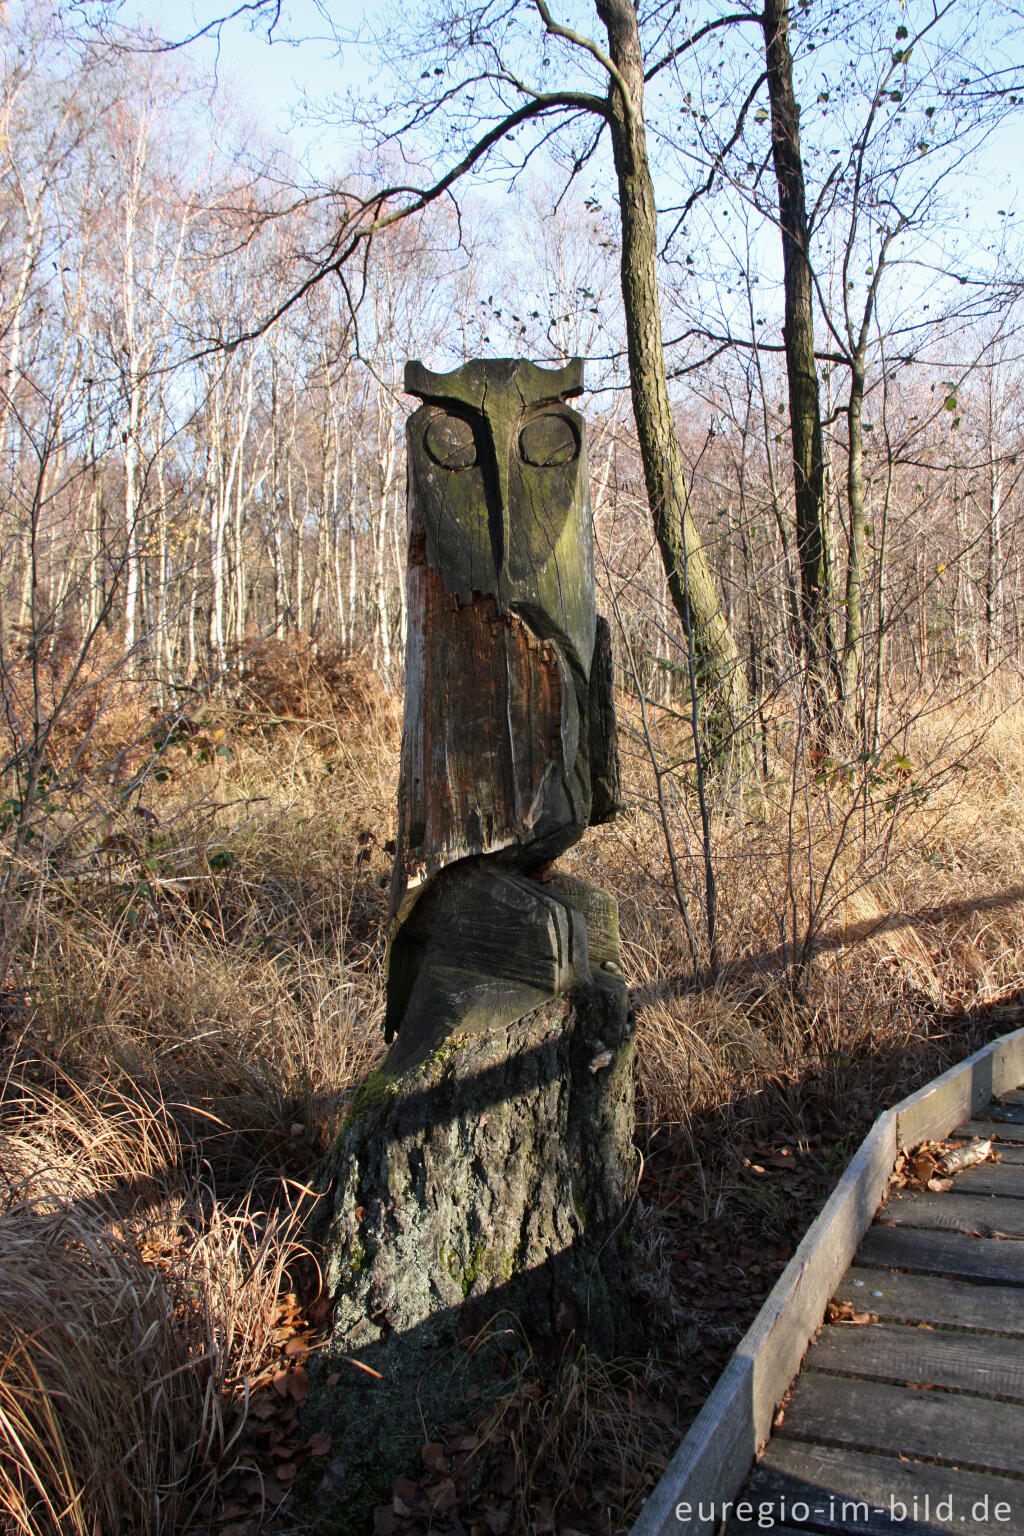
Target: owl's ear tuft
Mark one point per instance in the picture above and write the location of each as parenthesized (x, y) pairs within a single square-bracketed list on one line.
[(415, 379)]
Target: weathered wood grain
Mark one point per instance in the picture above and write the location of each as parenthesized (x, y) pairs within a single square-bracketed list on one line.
[(713, 1459), (509, 747), (1007, 1054), (990, 1178), (487, 704), (965, 1089), (956, 1210), (1002, 1131), (952, 1427), (837, 1484), (947, 1304), (964, 1362), (944, 1253)]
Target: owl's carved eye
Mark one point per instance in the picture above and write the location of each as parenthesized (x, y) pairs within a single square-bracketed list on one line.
[(548, 441), (450, 442)]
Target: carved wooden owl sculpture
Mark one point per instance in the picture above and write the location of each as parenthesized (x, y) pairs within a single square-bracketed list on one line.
[(508, 749)]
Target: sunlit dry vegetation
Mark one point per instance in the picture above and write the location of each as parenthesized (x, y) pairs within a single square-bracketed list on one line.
[(199, 990)]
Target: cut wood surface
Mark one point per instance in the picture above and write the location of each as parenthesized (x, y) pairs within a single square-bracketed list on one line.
[(944, 1253), (875, 1416), (965, 1362), (861, 1493), (987, 1215), (942, 1303), (998, 1130), (1003, 1178)]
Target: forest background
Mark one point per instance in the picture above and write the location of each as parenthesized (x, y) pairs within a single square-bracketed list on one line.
[(202, 621)]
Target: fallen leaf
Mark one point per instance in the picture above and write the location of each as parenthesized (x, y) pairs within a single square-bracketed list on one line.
[(434, 1458), (298, 1383), (444, 1497), (231, 1511), (845, 1312), (319, 1444)]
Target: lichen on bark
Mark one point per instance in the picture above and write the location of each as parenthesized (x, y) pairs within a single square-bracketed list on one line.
[(492, 1179)]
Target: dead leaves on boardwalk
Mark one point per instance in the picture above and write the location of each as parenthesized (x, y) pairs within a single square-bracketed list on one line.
[(933, 1165)]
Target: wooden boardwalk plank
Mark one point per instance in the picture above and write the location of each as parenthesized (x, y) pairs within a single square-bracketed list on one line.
[(737, 1417), (997, 1130), (963, 1091), (947, 1304), (1005, 1110), (833, 1482), (1007, 1153), (984, 1215), (873, 1416), (992, 1179), (944, 1253), (964, 1362)]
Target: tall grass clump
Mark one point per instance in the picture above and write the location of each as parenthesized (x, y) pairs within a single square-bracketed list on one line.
[(134, 1308), (193, 991)]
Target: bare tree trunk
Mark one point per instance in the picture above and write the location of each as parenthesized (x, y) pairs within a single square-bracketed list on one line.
[(694, 594), (853, 643), (798, 334)]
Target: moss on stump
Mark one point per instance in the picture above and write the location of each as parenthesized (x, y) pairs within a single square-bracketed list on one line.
[(495, 1177)]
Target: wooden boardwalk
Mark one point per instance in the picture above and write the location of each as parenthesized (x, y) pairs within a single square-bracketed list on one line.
[(913, 1422), (907, 1418)]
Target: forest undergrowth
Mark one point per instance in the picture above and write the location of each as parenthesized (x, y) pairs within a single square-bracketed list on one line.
[(195, 991)]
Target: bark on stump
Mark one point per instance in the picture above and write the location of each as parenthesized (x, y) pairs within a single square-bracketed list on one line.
[(493, 1179), (489, 1168)]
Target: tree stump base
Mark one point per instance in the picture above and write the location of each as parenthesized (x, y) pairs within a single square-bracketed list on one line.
[(495, 1177)]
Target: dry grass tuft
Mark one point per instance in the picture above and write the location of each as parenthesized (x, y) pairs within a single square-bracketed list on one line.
[(196, 992), (99, 1399), (134, 1304)]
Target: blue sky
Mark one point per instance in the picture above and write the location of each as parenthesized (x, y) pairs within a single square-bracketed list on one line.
[(271, 78), (271, 75)]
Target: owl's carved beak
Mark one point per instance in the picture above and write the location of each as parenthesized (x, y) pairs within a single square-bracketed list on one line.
[(501, 526)]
